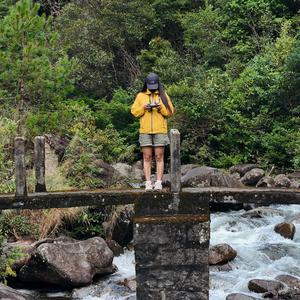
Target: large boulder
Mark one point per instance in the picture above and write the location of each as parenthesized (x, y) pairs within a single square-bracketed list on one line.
[(261, 212), (266, 181), (207, 176), (187, 168), (107, 173), (131, 173), (68, 263), (282, 181), (253, 176), (221, 254), (287, 230), (242, 169), (7, 293), (238, 296), (263, 286)]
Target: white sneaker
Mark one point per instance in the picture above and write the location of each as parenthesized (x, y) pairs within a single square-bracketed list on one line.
[(148, 186), (158, 185)]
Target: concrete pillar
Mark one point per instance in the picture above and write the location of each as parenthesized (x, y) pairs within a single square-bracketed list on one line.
[(171, 240), (20, 167), (39, 163)]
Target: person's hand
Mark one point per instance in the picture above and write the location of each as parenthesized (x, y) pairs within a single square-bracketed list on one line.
[(158, 107), (147, 107)]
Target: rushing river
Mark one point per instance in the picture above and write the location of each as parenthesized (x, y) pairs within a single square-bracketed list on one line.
[(262, 253)]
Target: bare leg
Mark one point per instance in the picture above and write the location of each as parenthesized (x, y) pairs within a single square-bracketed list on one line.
[(147, 158), (159, 158)]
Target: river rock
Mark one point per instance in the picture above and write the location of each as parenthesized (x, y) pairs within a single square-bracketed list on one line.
[(119, 227), (7, 293), (114, 247), (236, 176), (294, 184), (287, 294), (128, 172), (187, 168), (263, 286), (294, 175), (221, 254), (242, 169), (207, 176), (282, 181), (238, 296), (266, 181), (291, 281), (107, 173), (129, 282), (68, 264), (261, 212), (253, 176), (124, 169), (287, 230)]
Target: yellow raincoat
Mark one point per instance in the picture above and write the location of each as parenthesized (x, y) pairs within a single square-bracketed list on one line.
[(151, 122)]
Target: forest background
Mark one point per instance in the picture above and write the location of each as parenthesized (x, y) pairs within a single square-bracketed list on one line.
[(73, 68)]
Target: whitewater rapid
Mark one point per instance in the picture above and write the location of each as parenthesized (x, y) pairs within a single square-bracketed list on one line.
[(262, 253)]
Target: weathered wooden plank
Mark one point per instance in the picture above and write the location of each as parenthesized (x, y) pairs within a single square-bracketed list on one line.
[(175, 171), (20, 167), (77, 198), (118, 197), (39, 162), (260, 196)]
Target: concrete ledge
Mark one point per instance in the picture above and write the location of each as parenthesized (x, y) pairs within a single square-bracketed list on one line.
[(189, 196)]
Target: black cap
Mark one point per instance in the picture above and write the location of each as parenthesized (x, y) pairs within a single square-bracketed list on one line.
[(152, 81)]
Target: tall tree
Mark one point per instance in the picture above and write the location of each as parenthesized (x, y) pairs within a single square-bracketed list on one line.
[(34, 72)]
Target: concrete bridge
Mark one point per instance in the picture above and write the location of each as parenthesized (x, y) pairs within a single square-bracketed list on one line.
[(171, 231)]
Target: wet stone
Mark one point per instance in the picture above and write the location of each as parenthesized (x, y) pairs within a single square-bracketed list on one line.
[(263, 286), (237, 296), (286, 230), (289, 280), (221, 254)]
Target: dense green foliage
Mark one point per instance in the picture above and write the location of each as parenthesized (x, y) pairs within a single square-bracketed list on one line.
[(231, 68)]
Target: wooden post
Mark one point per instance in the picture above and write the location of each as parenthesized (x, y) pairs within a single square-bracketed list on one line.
[(39, 162), (175, 161), (20, 167)]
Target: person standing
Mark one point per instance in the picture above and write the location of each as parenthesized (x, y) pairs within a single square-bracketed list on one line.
[(153, 106)]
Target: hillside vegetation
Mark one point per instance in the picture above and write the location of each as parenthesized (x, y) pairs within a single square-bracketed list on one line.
[(232, 69)]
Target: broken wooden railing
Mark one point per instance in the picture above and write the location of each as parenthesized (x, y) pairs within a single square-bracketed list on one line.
[(171, 231)]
